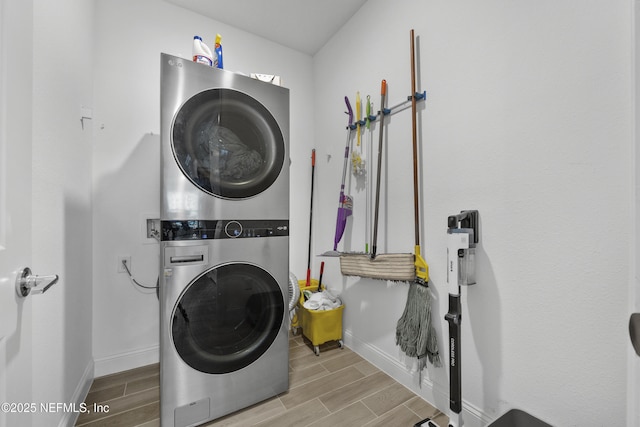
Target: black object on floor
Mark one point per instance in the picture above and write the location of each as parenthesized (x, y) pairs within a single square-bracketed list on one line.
[(518, 418)]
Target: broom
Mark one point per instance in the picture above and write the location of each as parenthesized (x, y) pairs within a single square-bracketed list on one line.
[(396, 267), (415, 333)]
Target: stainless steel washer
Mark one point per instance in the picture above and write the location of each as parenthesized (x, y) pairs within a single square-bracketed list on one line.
[(225, 144), (223, 320)]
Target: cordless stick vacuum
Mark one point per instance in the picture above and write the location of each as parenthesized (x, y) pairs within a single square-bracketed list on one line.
[(462, 238)]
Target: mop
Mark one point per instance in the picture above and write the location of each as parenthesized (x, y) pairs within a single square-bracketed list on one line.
[(345, 203), (395, 267), (415, 334)]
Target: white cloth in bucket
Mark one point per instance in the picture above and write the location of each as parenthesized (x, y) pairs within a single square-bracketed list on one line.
[(324, 300)]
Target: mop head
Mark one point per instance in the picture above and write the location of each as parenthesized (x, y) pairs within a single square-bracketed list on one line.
[(415, 334), (395, 267)]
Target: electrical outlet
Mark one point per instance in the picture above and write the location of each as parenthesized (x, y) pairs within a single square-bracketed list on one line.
[(125, 258)]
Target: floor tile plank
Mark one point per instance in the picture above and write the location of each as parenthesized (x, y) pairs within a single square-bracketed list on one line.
[(352, 416), (123, 404), (355, 391), (125, 376), (400, 416), (251, 415), (421, 407), (303, 415), (142, 384), (315, 388), (134, 417), (388, 398)]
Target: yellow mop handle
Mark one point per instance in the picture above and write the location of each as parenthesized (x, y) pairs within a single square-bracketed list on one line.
[(358, 115), (422, 269)]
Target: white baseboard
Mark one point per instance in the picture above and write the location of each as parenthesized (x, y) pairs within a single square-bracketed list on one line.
[(125, 361), (79, 395), (432, 393)]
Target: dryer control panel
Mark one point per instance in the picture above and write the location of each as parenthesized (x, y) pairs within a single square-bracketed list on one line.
[(222, 229)]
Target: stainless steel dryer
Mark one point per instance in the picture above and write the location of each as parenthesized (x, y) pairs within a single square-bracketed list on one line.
[(223, 322), (225, 144)]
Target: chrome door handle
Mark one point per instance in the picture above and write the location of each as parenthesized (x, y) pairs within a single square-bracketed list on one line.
[(27, 282), (634, 331)]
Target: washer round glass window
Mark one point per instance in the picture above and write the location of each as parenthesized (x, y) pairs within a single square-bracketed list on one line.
[(227, 318), (228, 144)]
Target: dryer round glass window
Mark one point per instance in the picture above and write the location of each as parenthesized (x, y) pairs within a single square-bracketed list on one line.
[(227, 318), (228, 144)]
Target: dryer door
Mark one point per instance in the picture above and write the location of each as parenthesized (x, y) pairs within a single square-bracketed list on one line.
[(227, 318), (228, 144)]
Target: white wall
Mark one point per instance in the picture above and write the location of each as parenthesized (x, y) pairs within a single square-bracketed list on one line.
[(528, 119), (130, 37), (62, 235)]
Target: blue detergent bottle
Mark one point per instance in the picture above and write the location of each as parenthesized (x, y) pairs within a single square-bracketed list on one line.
[(218, 50)]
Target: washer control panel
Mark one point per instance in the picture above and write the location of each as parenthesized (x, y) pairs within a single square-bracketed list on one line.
[(223, 229)]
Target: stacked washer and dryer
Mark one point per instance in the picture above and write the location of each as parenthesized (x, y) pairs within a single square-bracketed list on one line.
[(225, 242)]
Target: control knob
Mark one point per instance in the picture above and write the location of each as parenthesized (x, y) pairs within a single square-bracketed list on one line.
[(233, 229)]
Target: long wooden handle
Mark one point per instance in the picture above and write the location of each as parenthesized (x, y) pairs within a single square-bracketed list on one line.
[(414, 134)]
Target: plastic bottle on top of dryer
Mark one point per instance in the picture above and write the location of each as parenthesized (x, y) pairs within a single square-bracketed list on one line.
[(218, 52), (201, 52)]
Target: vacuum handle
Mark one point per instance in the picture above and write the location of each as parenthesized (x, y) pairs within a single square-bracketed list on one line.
[(454, 317)]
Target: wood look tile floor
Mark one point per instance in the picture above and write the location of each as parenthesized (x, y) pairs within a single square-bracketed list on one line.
[(337, 388)]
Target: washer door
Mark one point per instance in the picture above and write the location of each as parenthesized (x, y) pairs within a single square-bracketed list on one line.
[(227, 318), (228, 144)]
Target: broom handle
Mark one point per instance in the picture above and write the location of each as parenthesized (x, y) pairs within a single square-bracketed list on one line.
[(313, 168), (414, 131), (374, 244)]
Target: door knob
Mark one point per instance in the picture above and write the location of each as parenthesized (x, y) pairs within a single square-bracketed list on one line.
[(27, 282), (634, 331)]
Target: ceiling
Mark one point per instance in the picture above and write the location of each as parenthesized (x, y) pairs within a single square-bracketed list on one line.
[(303, 25)]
